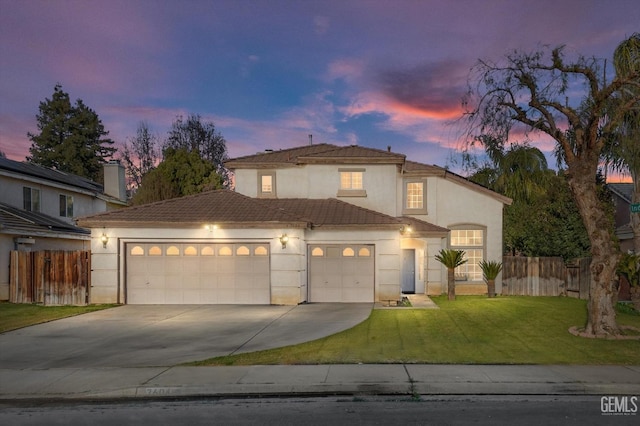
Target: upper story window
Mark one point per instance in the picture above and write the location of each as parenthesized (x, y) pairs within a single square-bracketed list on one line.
[(267, 184), (352, 183), (414, 197), (471, 239), (66, 205), (31, 199), (351, 180)]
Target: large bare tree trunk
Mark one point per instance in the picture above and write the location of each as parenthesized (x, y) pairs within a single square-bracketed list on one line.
[(601, 320)]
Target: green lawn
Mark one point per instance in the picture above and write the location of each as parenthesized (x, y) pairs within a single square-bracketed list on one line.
[(470, 330), (14, 316)]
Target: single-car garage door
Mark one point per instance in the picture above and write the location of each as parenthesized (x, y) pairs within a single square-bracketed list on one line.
[(341, 273), (184, 273)]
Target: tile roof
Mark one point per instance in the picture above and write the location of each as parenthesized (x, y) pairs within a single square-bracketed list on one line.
[(283, 156), (220, 206), (231, 209), (34, 170), (420, 228), (319, 153), (22, 222), (333, 212)]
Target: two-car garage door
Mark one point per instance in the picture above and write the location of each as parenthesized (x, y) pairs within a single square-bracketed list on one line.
[(185, 273)]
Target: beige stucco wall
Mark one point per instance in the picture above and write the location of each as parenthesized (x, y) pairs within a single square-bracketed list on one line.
[(459, 205), (320, 181), (448, 203)]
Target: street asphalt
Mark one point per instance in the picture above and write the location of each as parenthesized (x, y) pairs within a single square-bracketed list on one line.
[(133, 352)]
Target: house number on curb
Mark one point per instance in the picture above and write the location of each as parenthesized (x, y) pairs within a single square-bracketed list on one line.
[(162, 391)]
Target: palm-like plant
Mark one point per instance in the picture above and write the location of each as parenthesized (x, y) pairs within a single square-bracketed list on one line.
[(451, 259), (490, 271)]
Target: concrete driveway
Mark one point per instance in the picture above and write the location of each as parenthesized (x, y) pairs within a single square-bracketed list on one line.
[(155, 335)]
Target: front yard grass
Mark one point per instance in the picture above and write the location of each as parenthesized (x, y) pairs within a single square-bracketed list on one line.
[(14, 316), (469, 330)]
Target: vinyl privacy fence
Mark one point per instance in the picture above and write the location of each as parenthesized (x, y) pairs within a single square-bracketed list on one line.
[(545, 276), (50, 277)]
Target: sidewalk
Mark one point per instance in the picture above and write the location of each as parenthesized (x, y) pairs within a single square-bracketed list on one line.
[(360, 379)]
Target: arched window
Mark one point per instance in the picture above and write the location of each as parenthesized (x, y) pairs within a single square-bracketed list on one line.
[(348, 252), (317, 252), (155, 251), (364, 252), (260, 251), (225, 251), (207, 251), (190, 251), (137, 251), (243, 251)]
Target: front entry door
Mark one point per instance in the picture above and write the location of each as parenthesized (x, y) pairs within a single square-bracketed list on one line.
[(408, 271)]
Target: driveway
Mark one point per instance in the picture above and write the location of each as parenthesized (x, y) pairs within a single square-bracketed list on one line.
[(155, 335)]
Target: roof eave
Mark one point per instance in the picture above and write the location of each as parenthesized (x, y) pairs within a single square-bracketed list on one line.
[(192, 225)]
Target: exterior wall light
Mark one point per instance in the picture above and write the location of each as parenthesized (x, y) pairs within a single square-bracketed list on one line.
[(211, 227), (284, 239), (406, 230), (105, 239)]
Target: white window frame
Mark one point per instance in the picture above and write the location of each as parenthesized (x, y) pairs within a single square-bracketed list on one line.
[(475, 251), (405, 199), (350, 189), (261, 189)]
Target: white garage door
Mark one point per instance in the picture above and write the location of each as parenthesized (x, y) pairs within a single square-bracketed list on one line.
[(183, 273), (341, 273)]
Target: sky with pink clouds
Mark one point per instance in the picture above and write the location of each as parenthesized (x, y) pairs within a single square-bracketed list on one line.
[(269, 73)]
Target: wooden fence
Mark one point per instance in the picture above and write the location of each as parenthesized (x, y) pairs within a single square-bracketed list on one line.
[(545, 276), (50, 277)]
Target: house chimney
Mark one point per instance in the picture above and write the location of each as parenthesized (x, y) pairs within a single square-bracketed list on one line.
[(114, 181), (310, 139), (388, 148)]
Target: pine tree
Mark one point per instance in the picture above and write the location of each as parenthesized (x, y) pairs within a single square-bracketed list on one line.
[(71, 138)]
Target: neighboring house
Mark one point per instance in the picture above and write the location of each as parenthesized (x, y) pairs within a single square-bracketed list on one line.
[(38, 207), (622, 195), (318, 223)]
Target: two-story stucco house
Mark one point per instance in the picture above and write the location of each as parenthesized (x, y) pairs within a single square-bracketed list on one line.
[(38, 206), (318, 223)]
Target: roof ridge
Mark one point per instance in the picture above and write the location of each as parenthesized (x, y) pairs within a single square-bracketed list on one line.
[(280, 151), (378, 150)]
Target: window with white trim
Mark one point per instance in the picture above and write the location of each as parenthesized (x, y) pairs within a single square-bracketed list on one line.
[(267, 184), (350, 180), (31, 199), (414, 197), (472, 241), (66, 205), (351, 183)]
